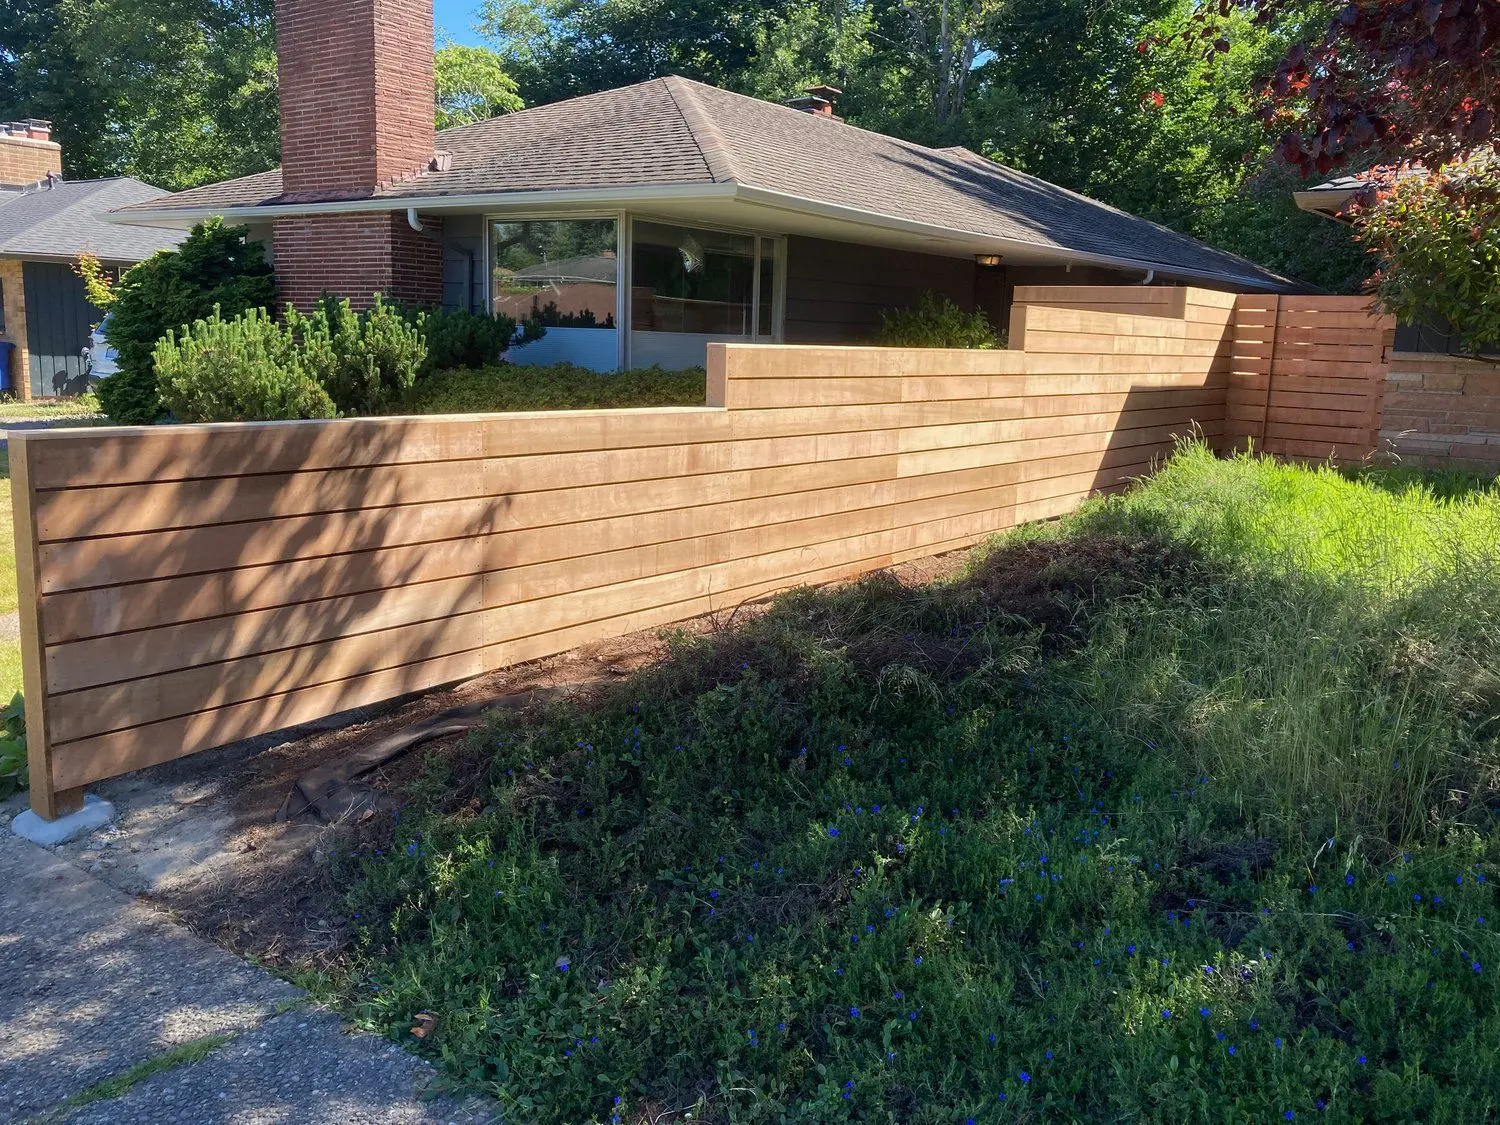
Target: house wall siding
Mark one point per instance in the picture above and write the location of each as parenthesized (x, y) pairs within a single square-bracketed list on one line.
[(837, 291), (357, 94), (59, 319)]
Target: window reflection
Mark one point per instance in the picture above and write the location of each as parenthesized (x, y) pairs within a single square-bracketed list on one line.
[(696, 281), (563, 271)]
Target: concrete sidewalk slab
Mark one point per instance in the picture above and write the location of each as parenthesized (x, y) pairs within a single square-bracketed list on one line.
[(296, 1068), (95, 983)]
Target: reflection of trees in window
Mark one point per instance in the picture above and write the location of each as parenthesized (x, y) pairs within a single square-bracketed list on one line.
[(565, 272), (549, 316), (520, 245)]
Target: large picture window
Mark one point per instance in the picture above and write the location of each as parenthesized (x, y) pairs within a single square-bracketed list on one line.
[(689, 286), (565, 273)]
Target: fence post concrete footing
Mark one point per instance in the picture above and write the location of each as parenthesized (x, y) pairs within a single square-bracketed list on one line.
[(96, 813)]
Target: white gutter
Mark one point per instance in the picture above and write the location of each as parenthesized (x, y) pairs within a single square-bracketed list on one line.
[(576, 197), (588, 198)]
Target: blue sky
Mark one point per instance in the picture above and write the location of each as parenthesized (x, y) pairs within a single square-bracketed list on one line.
[(455, 16)]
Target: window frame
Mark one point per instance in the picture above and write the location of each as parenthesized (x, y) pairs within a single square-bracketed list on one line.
[(625, 263)]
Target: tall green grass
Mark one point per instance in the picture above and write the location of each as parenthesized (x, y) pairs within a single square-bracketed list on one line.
[(1340, 669), (1108, 828)]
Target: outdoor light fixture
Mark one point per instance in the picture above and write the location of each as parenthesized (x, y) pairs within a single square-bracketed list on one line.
[(989, 261)]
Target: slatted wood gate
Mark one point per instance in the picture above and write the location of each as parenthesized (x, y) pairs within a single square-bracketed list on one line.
[(1308, 376)]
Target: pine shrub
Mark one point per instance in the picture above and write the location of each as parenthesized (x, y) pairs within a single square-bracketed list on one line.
[(365, 361), (246, 369), (461, 339)]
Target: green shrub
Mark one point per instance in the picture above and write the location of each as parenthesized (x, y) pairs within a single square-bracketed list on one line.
[(215, 268), (1438, 245), (465, 339), (14, 772), (936, 322), (366, 361), (561, 386), (241, 370)]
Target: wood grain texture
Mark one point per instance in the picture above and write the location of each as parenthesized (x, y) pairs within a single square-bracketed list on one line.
[(1307, 376), (188, 586)]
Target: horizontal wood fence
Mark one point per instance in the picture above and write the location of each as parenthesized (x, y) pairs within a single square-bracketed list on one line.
[(187, 586), (1308, 376)]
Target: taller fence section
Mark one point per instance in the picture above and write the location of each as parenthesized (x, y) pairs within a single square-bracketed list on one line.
[(187, 586), (1308, 376)]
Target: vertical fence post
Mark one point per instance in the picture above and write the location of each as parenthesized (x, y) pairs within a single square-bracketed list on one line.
[(46, 800), (1265, 416)]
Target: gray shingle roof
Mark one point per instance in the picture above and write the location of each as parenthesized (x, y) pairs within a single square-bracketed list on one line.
[(68, 218), (672, 131)]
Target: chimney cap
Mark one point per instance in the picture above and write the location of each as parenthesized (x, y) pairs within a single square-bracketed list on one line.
[(829, 93)]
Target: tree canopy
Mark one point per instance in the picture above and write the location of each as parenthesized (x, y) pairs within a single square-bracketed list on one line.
[(1201, 114), (177, 92)]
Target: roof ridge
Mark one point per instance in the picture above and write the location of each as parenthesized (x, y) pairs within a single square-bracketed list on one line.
[(711, 143)]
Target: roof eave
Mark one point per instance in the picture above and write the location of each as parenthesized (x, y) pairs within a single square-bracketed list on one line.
[(572, 197), (637, 195), (997, 244), (1329, 204)]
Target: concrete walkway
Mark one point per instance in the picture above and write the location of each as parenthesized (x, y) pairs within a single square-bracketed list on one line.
[(109, 1012)]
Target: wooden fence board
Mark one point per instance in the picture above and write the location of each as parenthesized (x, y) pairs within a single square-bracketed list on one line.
[(1308, 376)]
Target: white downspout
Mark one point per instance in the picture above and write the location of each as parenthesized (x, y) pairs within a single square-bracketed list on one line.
[(414, 222), (1147, 280)]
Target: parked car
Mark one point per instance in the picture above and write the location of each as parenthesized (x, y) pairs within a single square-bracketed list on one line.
[(99, 359)]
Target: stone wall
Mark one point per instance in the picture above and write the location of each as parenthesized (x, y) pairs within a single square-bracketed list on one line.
[(1443, 411)]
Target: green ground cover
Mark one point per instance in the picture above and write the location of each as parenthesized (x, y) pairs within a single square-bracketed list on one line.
[(557, 387), (1180, 810)]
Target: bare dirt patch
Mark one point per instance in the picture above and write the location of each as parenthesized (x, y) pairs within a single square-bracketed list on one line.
[(200, 837)]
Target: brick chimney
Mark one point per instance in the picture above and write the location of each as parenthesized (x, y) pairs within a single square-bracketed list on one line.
[(357, 95), (358, 101), (818, 101), (28, 154)]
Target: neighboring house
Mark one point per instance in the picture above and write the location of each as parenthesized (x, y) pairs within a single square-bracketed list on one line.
[(45, 223), (648, 220)]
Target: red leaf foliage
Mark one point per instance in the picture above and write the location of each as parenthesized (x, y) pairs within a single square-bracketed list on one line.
[(1417, 80)]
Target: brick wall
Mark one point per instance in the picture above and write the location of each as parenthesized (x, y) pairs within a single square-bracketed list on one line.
[(14, 295), (1443, 410), (357, 256), (357, 94), (25, 160)]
